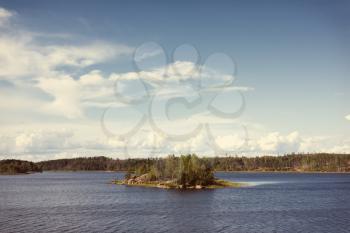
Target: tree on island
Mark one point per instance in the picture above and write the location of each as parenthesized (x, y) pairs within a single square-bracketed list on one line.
[(194, 171)]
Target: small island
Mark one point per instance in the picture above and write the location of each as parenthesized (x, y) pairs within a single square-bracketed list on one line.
[(185, 172), (14, 167)]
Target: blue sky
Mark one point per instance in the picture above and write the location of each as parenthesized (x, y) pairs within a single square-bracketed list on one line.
[(291, 63)]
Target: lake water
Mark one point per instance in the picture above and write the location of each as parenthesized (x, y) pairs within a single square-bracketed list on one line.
[(86, 202)]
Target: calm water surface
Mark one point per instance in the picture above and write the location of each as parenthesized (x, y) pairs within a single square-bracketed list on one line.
[(85, 202)]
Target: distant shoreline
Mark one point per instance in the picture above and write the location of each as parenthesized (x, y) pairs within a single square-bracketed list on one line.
[(298, 163), (291, 163), (300, 172), (103, 171), (17, 174)]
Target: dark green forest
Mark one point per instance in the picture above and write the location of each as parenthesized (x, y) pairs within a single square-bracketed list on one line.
[(12, 166), (321, 162)]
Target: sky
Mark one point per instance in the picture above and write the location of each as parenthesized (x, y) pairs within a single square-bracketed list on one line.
[(147, 79)]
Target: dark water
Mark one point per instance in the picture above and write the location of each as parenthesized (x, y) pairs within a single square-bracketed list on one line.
[(85, 202)]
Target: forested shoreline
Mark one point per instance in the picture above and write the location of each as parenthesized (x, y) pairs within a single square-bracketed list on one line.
[(321, 162), (12, 166)]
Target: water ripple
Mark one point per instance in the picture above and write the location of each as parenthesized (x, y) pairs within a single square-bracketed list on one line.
[(85, 202)]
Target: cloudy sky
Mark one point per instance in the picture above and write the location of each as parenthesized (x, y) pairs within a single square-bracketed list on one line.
[(133, 79)]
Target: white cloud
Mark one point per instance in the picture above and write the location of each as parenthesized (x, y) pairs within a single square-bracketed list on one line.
[(179, 71), (22, 52), (65, 91), (96, 89), (43, 141), (174, 72), (19, 99), (18, 59), (5, 15), (39, 144), (84, 55), (275, 142), (22, 55), (27, 63), (91, 79), (230, 142), (152, 52), (180, 78), (37, 141), (347, 117), (342, 148), (7, 144)]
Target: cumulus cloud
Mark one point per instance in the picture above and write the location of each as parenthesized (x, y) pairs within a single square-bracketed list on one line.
[(37, 141), (28, 64), (92, 78), (58, 143), (347, 117), (342, 148), (275, 142), (65, 91), (230, 142)]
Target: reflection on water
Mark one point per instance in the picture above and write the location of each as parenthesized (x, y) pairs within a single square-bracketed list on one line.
[(255, 183), (85, 201)]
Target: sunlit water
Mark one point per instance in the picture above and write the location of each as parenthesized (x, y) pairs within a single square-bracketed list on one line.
[(86, 202)]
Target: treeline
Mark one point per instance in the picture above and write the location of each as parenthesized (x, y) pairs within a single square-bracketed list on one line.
[(94, 164), (12, 166), (321, 162)]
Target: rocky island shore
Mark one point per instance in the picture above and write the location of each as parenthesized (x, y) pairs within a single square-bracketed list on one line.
[(172, 184)]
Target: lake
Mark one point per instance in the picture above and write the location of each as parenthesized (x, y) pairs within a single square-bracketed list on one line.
[(86, 202)]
